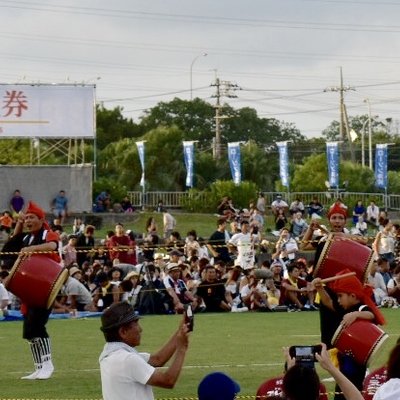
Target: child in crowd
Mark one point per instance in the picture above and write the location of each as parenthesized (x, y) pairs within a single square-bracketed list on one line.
[(6, 222)]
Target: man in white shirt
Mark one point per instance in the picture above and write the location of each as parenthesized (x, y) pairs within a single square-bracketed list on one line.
[(373, 214), (4, 299), (375, 280), (245, 249), (279, 204), (127, 374), (169, 223)]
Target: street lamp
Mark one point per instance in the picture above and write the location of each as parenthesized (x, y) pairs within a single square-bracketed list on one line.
[(191, 73)]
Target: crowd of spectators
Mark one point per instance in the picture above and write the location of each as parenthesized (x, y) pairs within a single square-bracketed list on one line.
[(161, 271)]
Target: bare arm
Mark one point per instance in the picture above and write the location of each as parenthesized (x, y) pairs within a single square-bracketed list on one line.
[(49, 246), (349, 318), (324, 296), (350, 392), (178, 345)]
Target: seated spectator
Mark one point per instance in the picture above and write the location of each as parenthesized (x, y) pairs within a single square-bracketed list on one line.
[(296, 206), (17, 203), (280, 219), (273, 293), (253, 295), (212, 292), (177, 289), (279, 204), (286, 247), (295, 291), (130, 288), (153, 298), (373, 214), (217, 386), (361, 226), (102, 202), (78, 227), (226, 208), (315, 207), (298, 225), (78, 296), (232, 288), (358, 211), (59, 206), (6, 222), (375, 280), (4, 295), (393, 285), (105, 293), (192, 246), (126, 205)]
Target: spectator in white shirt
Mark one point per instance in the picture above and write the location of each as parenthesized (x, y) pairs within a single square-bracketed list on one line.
[(373, 214)]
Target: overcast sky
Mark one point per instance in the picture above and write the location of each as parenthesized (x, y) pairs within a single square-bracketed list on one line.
[(282, 54)]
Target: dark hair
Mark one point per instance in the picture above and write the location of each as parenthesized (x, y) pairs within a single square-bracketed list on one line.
[(393, 365), (221, 221), (301, 383), (291, 267)]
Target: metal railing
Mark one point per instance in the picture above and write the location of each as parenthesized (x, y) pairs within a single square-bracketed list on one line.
[(177, 199)]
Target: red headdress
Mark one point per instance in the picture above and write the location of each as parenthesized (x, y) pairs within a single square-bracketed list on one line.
[(33, 208), (337, 209), (351, 284)]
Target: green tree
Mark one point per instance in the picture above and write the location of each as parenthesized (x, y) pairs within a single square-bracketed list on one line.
[(313, 173), (195, 118), (112, 126)]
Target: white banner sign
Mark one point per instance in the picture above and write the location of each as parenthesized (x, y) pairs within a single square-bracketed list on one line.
[(52, 111)]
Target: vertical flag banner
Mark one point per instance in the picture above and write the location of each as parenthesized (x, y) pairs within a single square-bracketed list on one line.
[(140, 147), (188, 150), (283, 163), (234, 161), (381, 159), (332, 157)]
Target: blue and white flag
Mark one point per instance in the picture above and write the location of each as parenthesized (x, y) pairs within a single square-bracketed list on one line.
[(140, 147), (234, 161), (188, 150), (332, 157), (283, 163), (381, 159)]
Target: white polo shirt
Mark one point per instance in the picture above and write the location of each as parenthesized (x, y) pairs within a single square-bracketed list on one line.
[(125, 373)]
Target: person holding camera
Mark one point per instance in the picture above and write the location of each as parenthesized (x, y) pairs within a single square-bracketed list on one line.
[(128, 374), (301, 381)]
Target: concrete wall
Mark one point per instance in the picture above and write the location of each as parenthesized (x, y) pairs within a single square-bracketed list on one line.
[(42, 183)]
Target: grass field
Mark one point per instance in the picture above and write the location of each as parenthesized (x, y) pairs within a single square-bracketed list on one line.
[(247, 346)]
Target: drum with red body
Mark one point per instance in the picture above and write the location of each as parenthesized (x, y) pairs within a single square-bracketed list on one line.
[(362, 339), (36, 280), (341, 252)]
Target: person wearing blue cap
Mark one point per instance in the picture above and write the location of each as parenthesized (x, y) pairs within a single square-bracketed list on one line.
[(127, 374), (217, 386)]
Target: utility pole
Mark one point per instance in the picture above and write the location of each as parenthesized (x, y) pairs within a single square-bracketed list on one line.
[(343, 121), (223, 89)]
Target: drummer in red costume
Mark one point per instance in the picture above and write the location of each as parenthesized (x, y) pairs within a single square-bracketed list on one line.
[(354, 302), (38, 238), (314, 239)]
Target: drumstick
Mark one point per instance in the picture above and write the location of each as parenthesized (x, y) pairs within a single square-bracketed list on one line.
[(336, 277)]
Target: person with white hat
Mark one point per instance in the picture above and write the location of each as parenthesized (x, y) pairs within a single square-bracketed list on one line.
[(177, 289)]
